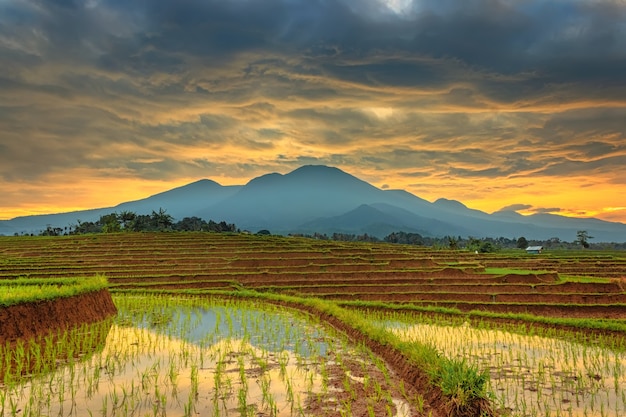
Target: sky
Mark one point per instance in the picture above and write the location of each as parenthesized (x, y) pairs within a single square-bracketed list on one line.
[(500, 104)]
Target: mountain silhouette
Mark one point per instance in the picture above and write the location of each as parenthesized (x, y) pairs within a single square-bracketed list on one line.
[(318, 198)]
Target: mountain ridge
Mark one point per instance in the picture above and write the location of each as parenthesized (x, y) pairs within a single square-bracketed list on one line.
[(327, 198)]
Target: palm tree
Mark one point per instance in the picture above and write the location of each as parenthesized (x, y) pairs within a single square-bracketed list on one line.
[(126, 217), (162, 220)]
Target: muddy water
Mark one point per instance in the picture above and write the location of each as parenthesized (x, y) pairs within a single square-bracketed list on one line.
[(532, 375)]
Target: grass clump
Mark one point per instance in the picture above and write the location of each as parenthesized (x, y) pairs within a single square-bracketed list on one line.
[(465, 386)]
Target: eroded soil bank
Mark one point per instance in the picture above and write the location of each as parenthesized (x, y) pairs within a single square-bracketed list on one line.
[(28, 320)]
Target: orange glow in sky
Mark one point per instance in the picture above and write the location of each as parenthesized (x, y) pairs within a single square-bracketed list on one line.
[(105, 102)]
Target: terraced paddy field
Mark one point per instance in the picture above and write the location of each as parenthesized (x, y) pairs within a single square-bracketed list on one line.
[(512, 316), (547, 284)]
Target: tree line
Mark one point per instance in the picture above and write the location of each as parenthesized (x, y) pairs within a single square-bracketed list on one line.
[(473, 244), (128, 221), (159, 221)]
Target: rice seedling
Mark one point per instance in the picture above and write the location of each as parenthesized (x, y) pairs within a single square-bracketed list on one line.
[(534, 375), (181, 356), (28, 290)]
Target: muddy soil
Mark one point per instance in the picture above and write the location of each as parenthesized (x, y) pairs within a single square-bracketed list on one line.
[(28, 320)]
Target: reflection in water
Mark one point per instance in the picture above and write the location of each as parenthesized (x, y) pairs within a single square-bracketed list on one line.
[(44, 354), (265, 329), (170, 356), (184, 361), (142, 372), (532, 375)]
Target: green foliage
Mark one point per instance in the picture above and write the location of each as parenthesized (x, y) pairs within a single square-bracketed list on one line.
[(28, 290), (405, 238), (582, 238), (473, 244), (128, 221), (462, 382), (487, 247), (161, 219)]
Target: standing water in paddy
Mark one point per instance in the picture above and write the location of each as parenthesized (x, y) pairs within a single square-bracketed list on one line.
[(185, 357), (181, 357), (533, 375)]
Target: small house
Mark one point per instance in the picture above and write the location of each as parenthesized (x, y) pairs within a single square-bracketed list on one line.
[(534, 249)]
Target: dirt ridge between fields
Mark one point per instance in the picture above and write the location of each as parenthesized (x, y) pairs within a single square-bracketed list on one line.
[(27, 320)]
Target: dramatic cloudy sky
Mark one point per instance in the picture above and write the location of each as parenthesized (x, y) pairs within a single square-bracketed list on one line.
[(516, 104)]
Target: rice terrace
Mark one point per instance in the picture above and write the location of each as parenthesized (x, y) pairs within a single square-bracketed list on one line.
[(228, 324)]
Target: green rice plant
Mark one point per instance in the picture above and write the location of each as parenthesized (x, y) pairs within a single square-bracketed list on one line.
[(29, 290), (464, 384), (147, 326)]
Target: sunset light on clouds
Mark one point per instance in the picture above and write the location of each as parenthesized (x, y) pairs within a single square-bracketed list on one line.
[(516, 104)]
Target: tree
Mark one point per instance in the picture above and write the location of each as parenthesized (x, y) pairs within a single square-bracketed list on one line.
[(487, 247), (109, 223), (51, 231), (126, 218), (141, 223), (582, 238), (404, 238), (161, 219), (473, 244), (522, 243), (86, 227), (191, 224)]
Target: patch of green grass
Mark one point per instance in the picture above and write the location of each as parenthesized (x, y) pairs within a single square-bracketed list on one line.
[(505, 271), (29, 290), (584, 279)]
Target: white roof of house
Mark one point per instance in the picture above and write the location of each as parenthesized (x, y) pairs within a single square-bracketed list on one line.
[(534, 248)]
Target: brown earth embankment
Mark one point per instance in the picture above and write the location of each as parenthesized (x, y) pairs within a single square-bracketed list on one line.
[(27, 320)]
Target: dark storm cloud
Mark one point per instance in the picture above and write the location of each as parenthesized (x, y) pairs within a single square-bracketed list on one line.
[(497, 35), (466, 89), (502, 36), (585, 124)]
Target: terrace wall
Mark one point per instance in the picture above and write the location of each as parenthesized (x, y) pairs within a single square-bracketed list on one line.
[(27, 320)]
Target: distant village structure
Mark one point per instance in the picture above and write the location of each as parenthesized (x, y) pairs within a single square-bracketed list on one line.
[(534, 250)]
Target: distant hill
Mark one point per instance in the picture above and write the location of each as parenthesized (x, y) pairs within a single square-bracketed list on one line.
[(317, 198)]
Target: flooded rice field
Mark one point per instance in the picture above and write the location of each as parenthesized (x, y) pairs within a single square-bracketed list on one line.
[(168, 356), (533, 375)]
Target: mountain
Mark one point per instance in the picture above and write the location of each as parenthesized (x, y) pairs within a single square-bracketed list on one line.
[(325, 199), (283, 202), (182, 201), (179, 202), (363, 219)]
